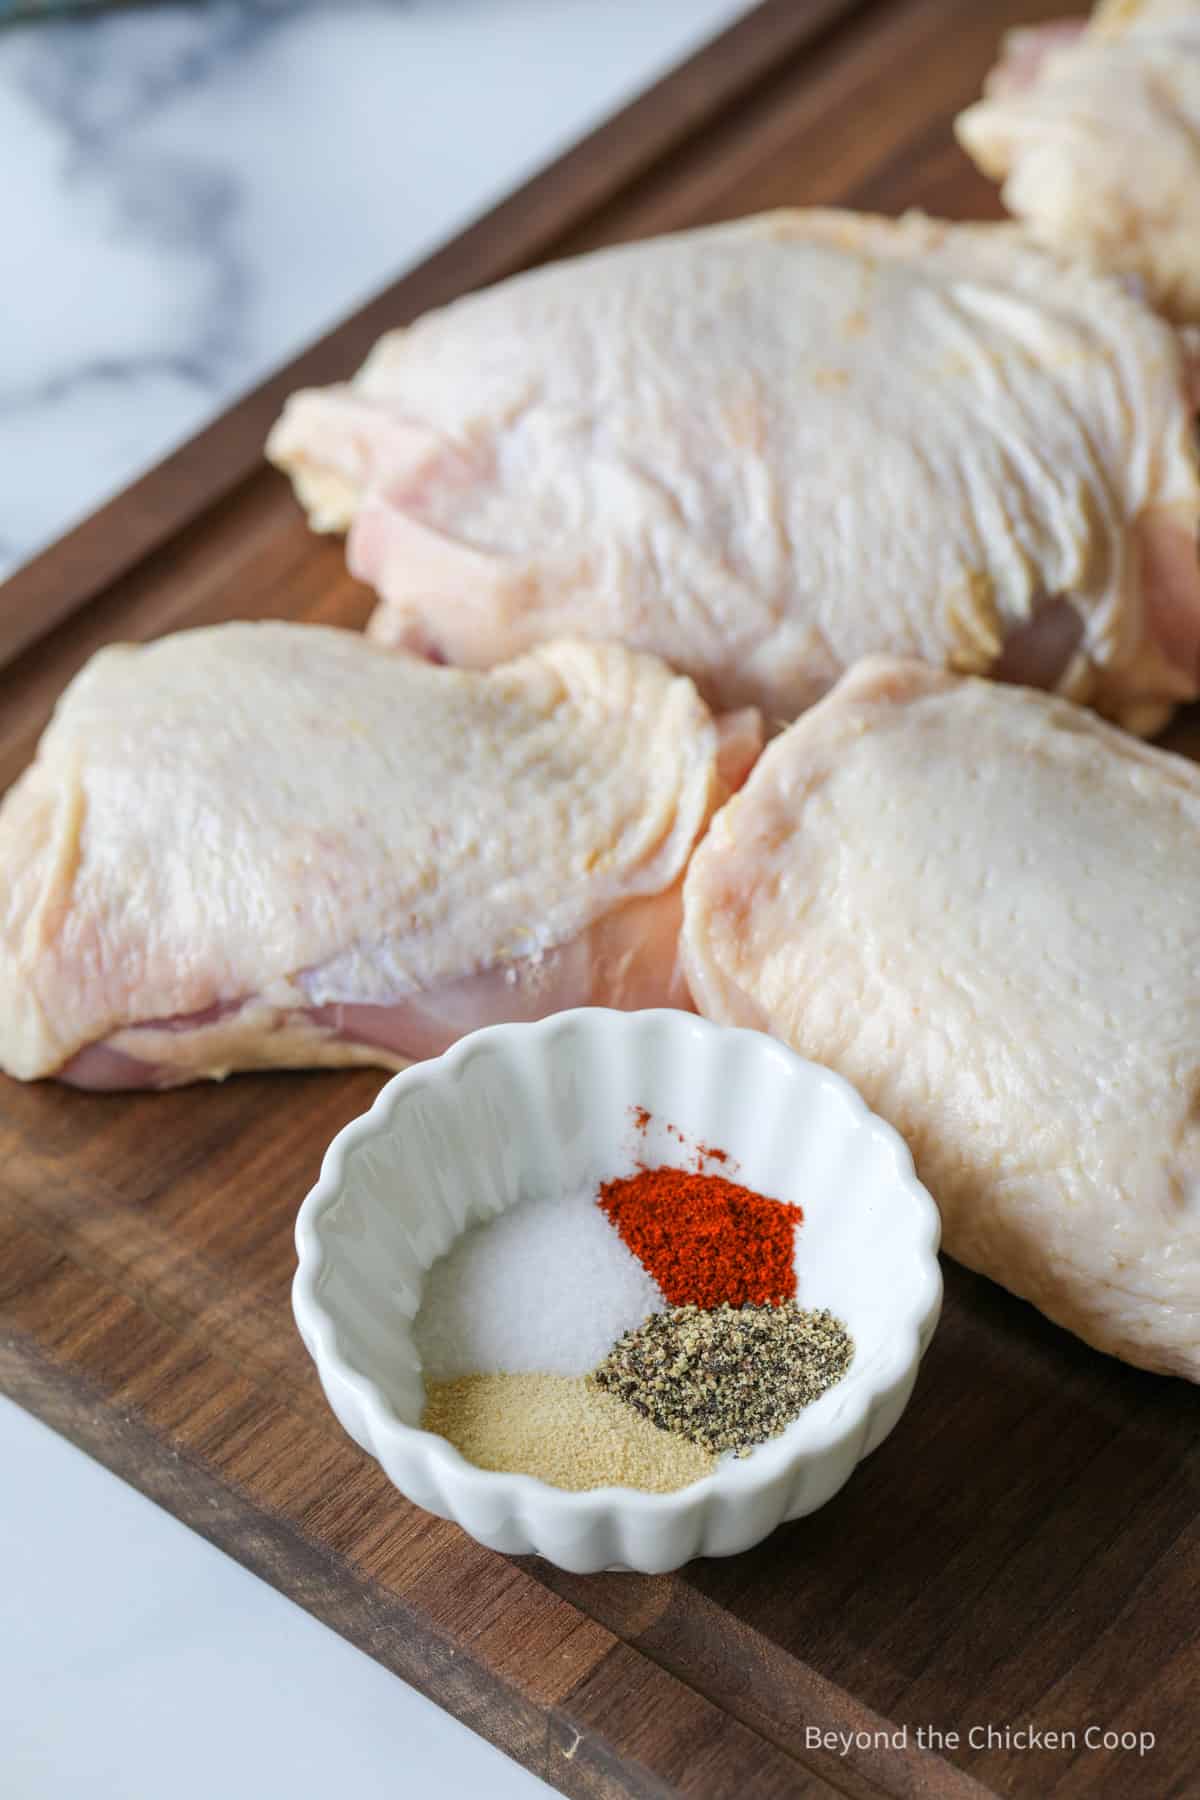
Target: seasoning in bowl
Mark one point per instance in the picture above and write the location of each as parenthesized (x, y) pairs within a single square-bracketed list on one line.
[(706, 1240), (563, 1429), (730, 1377), (546, 1287), (629, 1334)]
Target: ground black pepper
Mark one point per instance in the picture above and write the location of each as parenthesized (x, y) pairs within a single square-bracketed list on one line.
[(728, 1377)]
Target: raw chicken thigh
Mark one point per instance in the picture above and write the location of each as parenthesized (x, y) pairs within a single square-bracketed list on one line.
[(766, 449), (978, 903), (274, 845), (1094, 129)]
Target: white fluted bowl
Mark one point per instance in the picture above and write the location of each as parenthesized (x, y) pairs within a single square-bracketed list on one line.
[(524, 1111)]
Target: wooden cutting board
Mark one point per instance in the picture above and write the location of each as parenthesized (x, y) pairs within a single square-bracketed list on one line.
[(1023, 1553)]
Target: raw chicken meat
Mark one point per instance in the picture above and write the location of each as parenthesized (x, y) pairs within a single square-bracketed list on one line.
[(978, 903), (275, 845), (1094, 129), (766, 449)]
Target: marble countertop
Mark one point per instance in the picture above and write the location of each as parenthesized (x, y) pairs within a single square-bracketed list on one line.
[(148, 1665), (192, 193)]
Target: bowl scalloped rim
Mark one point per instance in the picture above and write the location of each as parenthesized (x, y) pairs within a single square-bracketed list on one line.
[(382, 1432)]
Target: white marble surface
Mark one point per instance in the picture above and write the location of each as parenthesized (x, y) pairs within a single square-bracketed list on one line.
[(137, 1663), (189, 194), (192, 192)]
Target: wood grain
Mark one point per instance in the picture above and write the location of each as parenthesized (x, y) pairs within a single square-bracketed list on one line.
[(1026, 1548)]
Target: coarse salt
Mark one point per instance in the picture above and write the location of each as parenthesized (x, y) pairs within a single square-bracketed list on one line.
[(547, 1287)]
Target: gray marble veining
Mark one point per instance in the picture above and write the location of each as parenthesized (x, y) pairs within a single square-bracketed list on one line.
[(192, 192)]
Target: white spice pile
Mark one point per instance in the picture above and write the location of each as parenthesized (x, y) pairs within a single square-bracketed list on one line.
[(566, 1432), (548, 1286)]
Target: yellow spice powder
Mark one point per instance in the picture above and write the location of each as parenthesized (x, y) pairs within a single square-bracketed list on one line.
[(564, 1430)]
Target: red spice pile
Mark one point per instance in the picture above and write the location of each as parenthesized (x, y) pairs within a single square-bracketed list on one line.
[(705, 1240)]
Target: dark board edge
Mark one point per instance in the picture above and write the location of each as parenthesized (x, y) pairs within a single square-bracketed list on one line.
[(83, 562)]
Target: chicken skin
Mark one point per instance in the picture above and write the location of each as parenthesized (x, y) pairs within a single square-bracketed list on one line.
[(978, 903), (1093, 127), (764, 450), (259, 846)]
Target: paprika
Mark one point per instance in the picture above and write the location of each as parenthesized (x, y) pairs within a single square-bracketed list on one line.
[(706, 1241)]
